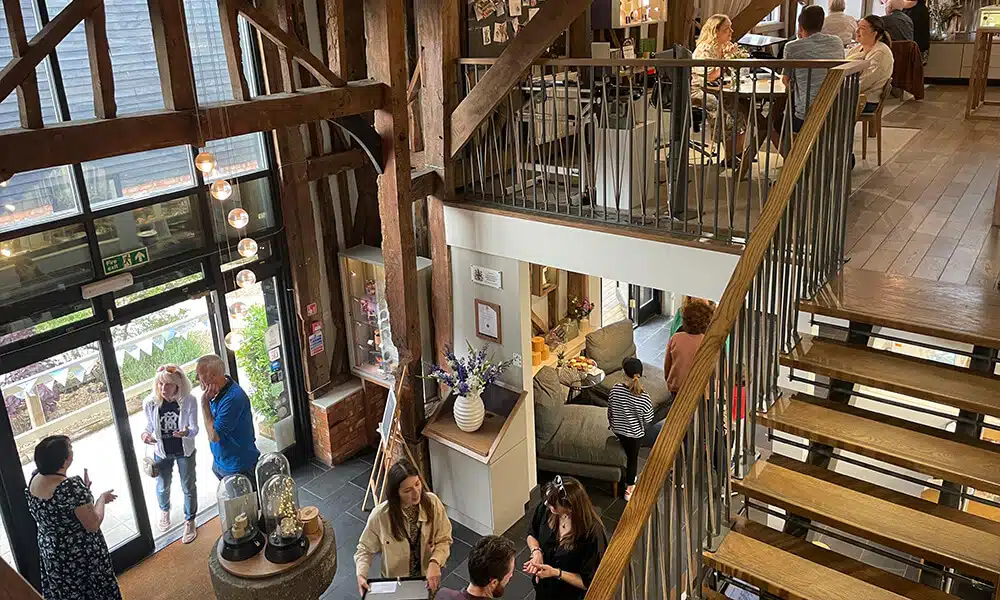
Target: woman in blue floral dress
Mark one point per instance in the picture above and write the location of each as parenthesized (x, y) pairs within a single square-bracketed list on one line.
[(76, 564)]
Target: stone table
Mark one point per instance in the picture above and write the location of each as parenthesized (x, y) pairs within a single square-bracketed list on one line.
[(305, 581)]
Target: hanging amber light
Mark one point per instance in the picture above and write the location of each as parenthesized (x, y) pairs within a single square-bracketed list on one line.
[(6, 251), (238, 311), (247, 247), (238, 218), (221, 190), (205, 162), (3, 181), (234, 340), (245, 278)]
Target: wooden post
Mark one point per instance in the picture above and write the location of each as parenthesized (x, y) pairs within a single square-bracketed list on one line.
[(438, 40), (173, 55), (102, 79), (680, 14), (386, 52), (28, 101)]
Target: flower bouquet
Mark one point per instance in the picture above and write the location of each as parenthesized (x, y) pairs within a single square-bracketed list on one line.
[(579, 308), (467, 377)]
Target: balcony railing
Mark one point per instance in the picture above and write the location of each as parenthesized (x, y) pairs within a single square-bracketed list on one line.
[(692, 148), (681, 505)]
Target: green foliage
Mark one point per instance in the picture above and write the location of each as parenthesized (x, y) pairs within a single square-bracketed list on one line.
[(147, 323), (62, 321), (178, 351), (253, 359), (159, 289)]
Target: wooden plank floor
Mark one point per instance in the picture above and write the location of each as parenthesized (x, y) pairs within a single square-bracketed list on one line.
[(927, 212)]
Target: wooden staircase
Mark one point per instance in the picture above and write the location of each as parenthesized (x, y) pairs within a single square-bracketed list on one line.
[(789, 567)]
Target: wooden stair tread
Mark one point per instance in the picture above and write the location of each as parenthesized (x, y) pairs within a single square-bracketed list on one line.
[(786, 575), (942, 455), (937, 382), (897, 526), (838, 562), (952, 311)]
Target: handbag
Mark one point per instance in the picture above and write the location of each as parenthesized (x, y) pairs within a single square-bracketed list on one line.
[(149, 464)]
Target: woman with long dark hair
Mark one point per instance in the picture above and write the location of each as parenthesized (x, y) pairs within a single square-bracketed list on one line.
[(873, 48), (75, 559), (566, 540), (410, 529)]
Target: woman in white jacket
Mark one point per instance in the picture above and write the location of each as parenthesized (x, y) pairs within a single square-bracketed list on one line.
[(873, 48), (171, 425)]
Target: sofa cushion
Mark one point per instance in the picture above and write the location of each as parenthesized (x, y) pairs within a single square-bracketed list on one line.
[(549, 397), (610, 345), (583, 436)]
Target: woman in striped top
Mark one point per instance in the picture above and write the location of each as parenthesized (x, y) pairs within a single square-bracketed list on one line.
[(629, 412)]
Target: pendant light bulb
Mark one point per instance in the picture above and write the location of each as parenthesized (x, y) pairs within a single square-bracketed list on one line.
[(238, 218), (221, 190), (6, 251), (247, 247), (4, 180), (234, 340), (245, 278), (238, 311), (205, 162)]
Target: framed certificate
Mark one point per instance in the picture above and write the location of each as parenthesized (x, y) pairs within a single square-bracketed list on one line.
[(488, 321)]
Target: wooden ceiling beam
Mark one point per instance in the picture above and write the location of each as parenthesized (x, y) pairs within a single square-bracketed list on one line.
[(44, 42), (748, 18), (80, 141), (29, 103), (99, 53), (173, 55), (335, 163)]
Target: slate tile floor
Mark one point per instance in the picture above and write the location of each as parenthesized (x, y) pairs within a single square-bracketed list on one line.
[(339, 491)]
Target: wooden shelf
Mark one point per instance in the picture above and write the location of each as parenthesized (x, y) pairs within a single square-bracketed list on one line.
[(574, 347), (481, 444)]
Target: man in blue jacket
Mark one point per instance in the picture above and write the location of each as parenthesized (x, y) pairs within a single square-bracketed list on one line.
[(228, 420)]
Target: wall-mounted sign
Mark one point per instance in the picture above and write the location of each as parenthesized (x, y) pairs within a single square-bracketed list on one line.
[(311, 310), (272, 337), (488, 277), (316, 343), (126, 260)]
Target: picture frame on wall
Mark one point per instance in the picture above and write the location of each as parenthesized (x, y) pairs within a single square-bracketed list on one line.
[(488, 321)]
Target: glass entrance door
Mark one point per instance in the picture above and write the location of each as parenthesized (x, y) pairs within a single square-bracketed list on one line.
[(643, 303), (69, 393), (174, 336)]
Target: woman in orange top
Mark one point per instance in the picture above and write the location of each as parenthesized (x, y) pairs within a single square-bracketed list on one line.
[(684, 344)]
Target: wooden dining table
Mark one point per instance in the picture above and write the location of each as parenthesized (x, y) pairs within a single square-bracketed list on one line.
[(755, 94)]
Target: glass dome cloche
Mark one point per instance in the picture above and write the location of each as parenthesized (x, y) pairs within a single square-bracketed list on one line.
[(241, 536), (286, 540), (268, 465)]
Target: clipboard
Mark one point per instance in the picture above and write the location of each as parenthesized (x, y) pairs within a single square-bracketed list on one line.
[(400, 588)]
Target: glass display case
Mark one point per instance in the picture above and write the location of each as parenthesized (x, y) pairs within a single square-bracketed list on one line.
[(241, 536), (372, 352), (286, 539), (268, 465)]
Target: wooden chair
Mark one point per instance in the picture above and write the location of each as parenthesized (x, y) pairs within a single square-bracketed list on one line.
[(873, 124)]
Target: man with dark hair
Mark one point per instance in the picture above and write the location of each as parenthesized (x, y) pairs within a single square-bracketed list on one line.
[(491, 565), (812, 44)]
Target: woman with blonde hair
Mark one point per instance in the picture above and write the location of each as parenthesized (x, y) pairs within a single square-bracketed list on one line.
[(171, 425), (715, 42), (566, 539), (630, 411), (839, 23)]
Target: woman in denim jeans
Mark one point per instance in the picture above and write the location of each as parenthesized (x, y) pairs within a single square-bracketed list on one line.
[(171, 425)]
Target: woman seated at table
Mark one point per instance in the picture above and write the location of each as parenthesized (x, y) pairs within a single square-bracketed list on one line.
[(873, 47), (410, 529), (715, 41)]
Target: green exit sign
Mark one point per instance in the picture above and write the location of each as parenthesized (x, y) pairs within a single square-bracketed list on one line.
[(126, 261)]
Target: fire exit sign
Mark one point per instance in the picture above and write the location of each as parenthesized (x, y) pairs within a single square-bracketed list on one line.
[(125, 261)]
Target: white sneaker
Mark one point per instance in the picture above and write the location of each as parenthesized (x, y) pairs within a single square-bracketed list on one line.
[(190, 532), (628, 492), (164, 523)]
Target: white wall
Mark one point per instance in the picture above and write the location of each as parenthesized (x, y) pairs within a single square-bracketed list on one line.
[(663, 266)]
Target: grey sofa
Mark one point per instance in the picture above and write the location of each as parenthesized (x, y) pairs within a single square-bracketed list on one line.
[(609, 346), (573, 439)]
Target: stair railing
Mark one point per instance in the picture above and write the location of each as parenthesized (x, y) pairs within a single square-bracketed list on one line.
[(642, 143), (681, 504)]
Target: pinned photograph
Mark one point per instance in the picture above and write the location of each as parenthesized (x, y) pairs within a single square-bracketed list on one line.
[(486, 36), (484, 8), (500, 32), (501, 8), (515, 8)]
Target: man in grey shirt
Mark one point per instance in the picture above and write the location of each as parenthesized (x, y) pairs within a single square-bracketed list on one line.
[(812, 44), (898, 24)]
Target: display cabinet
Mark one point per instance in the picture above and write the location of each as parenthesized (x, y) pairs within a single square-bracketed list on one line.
[(286, 539), (372, 352), (241, 535)]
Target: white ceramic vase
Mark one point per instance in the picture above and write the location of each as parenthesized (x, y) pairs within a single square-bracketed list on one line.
[(469, 412)]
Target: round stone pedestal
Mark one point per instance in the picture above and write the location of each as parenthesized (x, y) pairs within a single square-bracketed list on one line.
[(305, 581)]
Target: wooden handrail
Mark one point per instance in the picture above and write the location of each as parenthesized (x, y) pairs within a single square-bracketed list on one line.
[(654, 475)]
